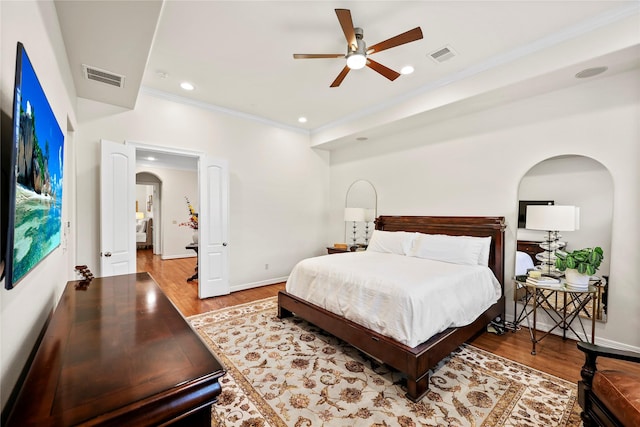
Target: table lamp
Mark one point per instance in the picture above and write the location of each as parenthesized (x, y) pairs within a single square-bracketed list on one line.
[(354, 215), (552, 219)]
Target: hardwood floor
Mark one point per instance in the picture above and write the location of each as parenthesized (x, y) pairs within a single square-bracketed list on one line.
[(172, 276), (554, 355)]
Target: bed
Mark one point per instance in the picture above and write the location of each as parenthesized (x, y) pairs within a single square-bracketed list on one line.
[(414, 361), (144, 233)]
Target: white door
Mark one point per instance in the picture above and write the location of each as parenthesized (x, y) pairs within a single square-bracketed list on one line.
[(213, 228), (117, 209)]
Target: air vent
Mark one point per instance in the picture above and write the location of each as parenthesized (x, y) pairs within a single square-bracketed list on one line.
[(103, 76), (443, 54)]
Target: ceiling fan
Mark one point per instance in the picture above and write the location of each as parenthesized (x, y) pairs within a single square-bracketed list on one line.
[(357, 53)]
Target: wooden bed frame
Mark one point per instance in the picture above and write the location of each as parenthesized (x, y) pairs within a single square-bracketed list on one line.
[(415, 362)]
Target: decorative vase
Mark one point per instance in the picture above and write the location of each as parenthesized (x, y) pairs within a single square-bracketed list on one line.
[(195, 237), (575, 279)]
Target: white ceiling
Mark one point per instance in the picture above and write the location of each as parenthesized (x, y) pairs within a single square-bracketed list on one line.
[(238, 55), (162, 159)]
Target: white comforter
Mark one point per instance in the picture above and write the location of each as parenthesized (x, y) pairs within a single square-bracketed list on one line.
[(406, 298)]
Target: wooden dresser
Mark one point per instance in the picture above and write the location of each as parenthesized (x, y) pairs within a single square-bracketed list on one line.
[(531, 248), (118, 354)]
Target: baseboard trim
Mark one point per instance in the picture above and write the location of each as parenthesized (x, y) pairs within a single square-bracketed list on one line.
[(179, 256), (615, 344), (245, 286), (543, 327)]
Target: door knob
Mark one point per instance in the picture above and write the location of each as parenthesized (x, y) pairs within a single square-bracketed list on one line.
[(107, 254), (224, 244)]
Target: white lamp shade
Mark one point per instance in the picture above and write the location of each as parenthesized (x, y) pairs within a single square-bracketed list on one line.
[(369, 215), (354, 214), (139, 215), (553, 218)]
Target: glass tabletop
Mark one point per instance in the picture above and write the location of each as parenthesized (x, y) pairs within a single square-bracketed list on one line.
[(564, 287)]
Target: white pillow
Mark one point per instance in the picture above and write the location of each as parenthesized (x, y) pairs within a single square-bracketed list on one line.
[(464, 250), (140, 226), (483, 258), (393, 242)]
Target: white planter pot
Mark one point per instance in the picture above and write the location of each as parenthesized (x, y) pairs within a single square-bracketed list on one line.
[(576, 279)]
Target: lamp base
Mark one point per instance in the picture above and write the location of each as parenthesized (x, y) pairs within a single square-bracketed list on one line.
[(548, 257)]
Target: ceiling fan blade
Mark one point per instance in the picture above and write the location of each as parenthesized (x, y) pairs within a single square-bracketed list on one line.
[(344, 17), (400, 39), (340, 77), (317, 55), (387, 72)]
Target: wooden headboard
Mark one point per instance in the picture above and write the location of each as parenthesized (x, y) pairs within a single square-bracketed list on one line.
[(477, 226)]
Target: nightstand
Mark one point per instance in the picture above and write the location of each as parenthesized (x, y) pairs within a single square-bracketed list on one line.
[(562, 304), (334, 250)]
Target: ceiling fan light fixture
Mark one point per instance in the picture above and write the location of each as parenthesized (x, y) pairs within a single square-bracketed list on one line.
[(356, 60), (357, 52)]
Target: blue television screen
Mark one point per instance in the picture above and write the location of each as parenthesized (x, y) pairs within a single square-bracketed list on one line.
[(35, 189)]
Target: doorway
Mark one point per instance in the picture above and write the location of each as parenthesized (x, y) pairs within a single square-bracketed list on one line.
[(148, 212), (117, 245), (172, 178)]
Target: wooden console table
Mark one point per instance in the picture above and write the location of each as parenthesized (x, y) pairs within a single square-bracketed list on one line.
[(118, 354)]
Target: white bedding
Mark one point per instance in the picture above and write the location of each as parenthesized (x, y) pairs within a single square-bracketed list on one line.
[(141, 230), (523, 263), (406, 298)]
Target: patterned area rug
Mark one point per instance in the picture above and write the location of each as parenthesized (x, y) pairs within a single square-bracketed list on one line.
[(290, 373)]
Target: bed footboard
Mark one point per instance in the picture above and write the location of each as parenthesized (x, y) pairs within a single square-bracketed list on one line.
[(283, 312)]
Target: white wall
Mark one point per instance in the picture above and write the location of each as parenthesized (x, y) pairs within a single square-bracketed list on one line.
[(473, 164), (278, 185), (24, 309)]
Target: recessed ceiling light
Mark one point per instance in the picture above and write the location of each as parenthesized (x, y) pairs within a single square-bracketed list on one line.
[(407, 69), (590, 72), (186, 86), (151, 158), (302, 119)]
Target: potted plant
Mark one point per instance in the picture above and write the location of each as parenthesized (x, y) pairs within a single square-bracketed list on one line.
[(580, 264), (192, 222)]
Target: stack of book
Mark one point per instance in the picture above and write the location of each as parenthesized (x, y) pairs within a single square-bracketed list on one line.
[(543, 281)]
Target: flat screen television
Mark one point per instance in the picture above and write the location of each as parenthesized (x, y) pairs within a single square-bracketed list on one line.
[(34, 217), (522, 209)]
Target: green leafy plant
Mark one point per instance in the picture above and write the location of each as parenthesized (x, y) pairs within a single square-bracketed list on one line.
[(586, 260)]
